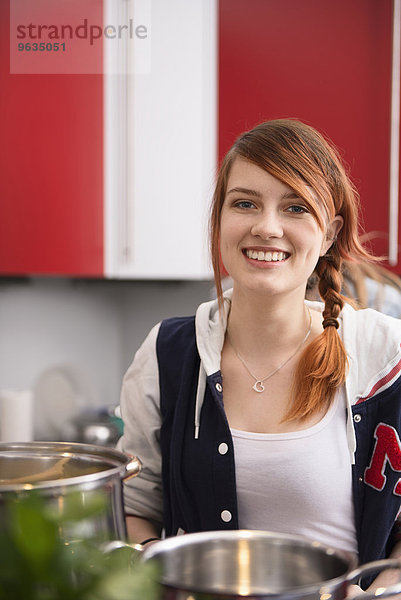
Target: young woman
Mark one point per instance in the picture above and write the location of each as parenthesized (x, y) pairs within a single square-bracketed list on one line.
[(266, 411)]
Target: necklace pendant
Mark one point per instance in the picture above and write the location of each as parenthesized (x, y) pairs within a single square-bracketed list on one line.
[(258, 386)]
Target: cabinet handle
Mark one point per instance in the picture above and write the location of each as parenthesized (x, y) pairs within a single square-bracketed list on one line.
[(117, 211), (395, 137)]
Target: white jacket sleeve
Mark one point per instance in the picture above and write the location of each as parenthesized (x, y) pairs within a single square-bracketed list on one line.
[(140, 411)]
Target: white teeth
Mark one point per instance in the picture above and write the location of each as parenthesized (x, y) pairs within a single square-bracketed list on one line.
[(266, 256)]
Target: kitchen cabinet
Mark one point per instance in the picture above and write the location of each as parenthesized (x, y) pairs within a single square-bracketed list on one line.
[(51, 162), (107, 175), (326, 63), (158, 192)]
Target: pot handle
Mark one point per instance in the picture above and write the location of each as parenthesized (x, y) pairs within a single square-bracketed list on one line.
[(369, 569), (134, 551), (132, 468), (111, 546)]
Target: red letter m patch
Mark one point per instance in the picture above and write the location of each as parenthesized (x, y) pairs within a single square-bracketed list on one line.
[(387, 449)]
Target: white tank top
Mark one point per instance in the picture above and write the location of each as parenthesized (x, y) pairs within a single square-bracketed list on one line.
[(298, 482)]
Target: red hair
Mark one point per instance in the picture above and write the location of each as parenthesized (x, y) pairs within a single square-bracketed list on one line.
[(302, 158)]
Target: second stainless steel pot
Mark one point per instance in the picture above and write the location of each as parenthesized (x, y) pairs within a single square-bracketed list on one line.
[(58, 472), (221, 565)]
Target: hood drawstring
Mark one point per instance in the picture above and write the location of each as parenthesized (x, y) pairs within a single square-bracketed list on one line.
[(351, 437), (199, 399), (210, 327)]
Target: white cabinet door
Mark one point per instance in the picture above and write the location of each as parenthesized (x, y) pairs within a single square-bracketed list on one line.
[(160, 139)]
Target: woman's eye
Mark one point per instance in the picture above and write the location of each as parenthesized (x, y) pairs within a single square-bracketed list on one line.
[(297, 209), (244, 204)]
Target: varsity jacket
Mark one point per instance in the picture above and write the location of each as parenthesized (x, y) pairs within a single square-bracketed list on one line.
[(174, 420)]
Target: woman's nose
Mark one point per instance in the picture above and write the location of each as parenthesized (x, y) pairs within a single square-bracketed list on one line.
[(267, 225)]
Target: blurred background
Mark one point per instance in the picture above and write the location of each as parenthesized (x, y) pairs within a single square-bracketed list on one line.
[(107, 173)]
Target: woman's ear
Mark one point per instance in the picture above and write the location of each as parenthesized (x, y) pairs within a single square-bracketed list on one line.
[(332, 232)]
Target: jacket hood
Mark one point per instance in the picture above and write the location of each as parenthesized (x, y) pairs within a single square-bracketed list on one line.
[(210, 328)]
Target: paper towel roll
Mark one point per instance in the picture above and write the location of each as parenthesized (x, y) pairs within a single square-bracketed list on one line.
[(16, 415)]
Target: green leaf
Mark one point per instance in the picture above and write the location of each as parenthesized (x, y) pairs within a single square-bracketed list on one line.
[(140, 584), (35, 536), (77, 507), (37, 563)]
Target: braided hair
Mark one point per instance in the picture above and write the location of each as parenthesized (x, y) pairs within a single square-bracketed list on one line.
[(302, 158), (323, 364)]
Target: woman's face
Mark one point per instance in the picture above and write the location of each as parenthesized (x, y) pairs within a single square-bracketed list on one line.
[(269, 241)]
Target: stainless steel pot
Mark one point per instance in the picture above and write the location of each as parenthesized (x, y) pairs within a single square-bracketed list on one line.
[(66, 474), (221, 565)]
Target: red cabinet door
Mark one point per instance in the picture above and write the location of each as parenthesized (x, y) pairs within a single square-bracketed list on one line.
[(51, 165), (327, 63)]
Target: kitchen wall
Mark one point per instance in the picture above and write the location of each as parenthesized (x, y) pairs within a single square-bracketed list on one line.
[(89, 327)]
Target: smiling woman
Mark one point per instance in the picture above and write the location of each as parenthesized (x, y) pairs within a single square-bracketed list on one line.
[(249, 414), (297, 206)]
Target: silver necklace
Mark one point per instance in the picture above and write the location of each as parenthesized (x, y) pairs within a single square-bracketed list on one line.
[(258, 385)]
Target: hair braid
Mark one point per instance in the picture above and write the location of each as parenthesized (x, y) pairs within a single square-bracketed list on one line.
[(323, 364), (328, 270)]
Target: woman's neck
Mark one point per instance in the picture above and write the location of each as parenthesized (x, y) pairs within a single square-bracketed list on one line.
[(259, 324)]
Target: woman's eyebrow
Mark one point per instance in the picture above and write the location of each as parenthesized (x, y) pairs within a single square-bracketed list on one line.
[(242, 190), (290, 195)]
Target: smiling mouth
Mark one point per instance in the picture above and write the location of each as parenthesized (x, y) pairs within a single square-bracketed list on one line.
[(266, 256)]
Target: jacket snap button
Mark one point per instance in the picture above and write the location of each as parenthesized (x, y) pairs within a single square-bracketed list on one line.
[(223, 448), (357, 418), (226, 516), (219, 387)]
